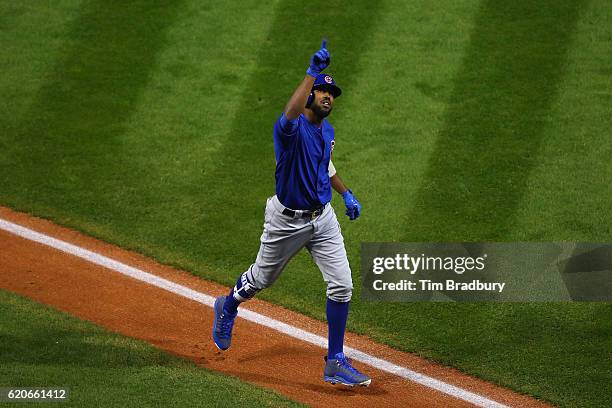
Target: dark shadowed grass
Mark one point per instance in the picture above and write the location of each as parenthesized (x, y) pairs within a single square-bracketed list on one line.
[(42, 347)]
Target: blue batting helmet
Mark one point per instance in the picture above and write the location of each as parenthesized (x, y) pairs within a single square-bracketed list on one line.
[(326, 82)]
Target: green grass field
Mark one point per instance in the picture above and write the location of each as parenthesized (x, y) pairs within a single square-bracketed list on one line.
[(45, 348), (148, 125)]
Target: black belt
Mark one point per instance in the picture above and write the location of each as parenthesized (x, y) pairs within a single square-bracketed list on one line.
[(305, 213)]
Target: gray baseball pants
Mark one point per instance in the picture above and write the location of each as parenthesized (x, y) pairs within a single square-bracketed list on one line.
[(284, 236)]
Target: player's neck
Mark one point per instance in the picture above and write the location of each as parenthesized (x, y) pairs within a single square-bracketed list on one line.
[(313, 117)]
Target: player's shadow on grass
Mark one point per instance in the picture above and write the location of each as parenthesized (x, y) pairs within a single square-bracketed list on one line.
[(74, 127), (495, 121), (234, 194)]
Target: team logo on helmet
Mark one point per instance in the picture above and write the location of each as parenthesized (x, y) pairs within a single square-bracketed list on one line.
[(328, 79)]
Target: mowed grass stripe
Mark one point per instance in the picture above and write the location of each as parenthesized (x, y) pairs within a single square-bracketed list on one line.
[(495, 121), (42, 347), (567, 195)]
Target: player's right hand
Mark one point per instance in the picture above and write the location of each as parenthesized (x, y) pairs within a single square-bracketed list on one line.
[(319, 60)]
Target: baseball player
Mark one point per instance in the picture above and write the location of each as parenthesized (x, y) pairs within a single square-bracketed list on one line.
[(300, 215)]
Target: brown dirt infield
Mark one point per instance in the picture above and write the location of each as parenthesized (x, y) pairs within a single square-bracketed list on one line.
[(182, 327)]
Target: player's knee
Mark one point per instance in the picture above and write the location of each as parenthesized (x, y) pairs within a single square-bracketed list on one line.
[(264, 276), (264, 282), (340, 293)]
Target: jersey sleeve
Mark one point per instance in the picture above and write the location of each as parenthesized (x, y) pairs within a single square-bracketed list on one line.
[(285, 127), (331, 169)]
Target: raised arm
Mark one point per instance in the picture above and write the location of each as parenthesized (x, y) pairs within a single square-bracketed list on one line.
[(297, 102), (318, 62)]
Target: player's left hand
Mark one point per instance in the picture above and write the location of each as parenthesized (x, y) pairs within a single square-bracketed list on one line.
[(319, 60), (353, 208)]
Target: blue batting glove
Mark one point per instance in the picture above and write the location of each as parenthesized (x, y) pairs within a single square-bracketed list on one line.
[(353, 208), (319, 60)]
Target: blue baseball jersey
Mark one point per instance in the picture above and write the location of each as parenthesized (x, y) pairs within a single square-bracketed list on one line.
[(303, 151)]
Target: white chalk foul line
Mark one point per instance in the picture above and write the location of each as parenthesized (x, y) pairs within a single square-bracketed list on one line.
[(284, 328)]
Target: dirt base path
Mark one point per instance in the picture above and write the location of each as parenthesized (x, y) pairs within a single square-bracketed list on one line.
[(182, 326)]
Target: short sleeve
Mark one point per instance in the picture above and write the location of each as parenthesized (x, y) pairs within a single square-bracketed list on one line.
[(331, 169), (286, 127)]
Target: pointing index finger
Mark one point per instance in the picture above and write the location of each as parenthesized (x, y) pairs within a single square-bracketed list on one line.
[(324, 43)]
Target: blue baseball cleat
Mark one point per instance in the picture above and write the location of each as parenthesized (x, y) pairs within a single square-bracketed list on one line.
[(222, 328), (339, 370)]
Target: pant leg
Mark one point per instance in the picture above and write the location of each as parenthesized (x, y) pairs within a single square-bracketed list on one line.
[(327, 249), (281, 240)]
